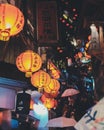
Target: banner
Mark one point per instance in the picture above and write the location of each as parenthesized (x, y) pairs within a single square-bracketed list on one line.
[(47, 27), (93, 119)]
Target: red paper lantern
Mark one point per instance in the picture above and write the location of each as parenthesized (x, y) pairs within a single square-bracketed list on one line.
[(53, 87), (43, 98), (11, 21), (40, 79), (48, 102), (54, 71), (52, 94), (28, 62)]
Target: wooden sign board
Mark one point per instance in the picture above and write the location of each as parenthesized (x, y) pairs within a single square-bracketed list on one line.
[(47, 27)]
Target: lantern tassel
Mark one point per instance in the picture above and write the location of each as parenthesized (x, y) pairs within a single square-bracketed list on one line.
[(28, 74)]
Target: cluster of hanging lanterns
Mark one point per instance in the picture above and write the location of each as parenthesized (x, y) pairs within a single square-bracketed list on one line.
[(29, 62), (53, 70), (48, 99), (50, 93)]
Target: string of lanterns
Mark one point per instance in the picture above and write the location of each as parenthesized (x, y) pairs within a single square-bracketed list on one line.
[(53, 70), (29, 62)]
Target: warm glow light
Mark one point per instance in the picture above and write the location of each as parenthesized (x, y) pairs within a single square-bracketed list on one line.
[(76, 15), (1, 116), (51, 95), (65, 16), (54, 71), (53, 87), (63, 21), (50, 103), (40, 79), (11, 21), (74, 9), (89, 37), (54, 84), (74, 18), (28, 62), (71, 26), (67, 24)]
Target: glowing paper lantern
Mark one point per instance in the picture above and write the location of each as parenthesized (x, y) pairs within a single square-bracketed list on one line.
[(52, 94), (11, 21), (80, 54), (28, 62), (43, 98), (54, 71), (40, 79), (47, 89), (53, 87), (48, 102)]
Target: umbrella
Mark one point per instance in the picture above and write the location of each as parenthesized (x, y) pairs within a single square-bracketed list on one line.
[(93, 119), (69, 92), (61, 122)]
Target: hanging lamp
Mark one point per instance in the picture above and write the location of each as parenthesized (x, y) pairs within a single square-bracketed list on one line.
[(11, 21), (28, 62), (53, 87), (53, 70), (40, 79), (48, 102)]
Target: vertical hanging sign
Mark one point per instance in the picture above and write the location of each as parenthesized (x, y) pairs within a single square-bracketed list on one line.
[(47, 27)]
